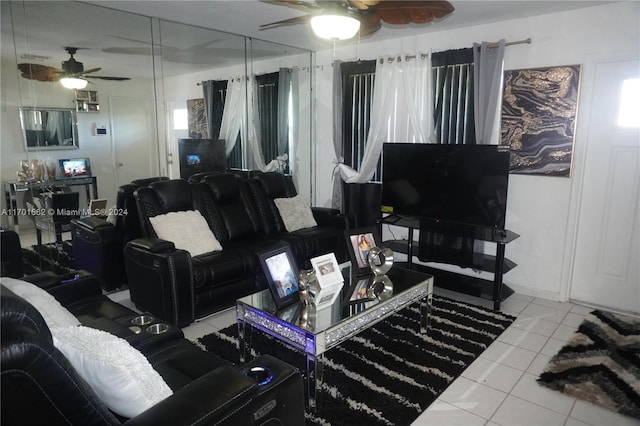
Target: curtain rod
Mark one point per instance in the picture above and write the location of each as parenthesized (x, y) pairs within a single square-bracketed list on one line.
[(424, 55)]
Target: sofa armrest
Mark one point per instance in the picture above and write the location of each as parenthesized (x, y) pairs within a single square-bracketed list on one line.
[(93, 223), (78, 285), (326, 211), (218, 397), (161, 280), (330, 217), (152, 245)]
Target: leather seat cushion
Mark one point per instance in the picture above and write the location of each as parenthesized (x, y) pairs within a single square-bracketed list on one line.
[(221, 267)]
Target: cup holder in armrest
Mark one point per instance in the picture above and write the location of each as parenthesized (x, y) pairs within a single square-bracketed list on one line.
[(158, 328), (142, 320), (262, 375)]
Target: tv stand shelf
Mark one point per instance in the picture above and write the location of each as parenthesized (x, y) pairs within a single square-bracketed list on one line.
[(498, 265)]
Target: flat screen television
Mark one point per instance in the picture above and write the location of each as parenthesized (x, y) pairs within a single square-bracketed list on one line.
[(201, 155), (458, 184), (75, 167)]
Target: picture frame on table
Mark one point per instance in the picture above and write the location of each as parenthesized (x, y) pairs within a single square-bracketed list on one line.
[(329, 279), (359, 242), (358, 292), (282, 275)]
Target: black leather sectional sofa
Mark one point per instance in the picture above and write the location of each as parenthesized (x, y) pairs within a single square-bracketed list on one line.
[(40, 385), (242, 215)]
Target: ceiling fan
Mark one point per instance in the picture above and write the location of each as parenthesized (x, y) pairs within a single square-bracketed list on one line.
[(370, 13), (70, 69)]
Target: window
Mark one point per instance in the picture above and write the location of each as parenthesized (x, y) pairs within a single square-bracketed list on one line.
[(358, 80), (453, 103), (453, 96), (234, 160), (267, 96), (629, 107), (180, 119)]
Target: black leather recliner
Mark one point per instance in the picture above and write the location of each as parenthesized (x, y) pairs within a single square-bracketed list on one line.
[(171, 284), (327, 237), (39, 385), (98, 245)]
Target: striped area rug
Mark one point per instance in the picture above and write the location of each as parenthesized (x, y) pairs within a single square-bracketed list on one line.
[(390, 373), (601, 363)]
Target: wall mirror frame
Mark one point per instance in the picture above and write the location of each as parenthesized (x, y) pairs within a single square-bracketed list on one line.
[(46, 129), (165, 63)]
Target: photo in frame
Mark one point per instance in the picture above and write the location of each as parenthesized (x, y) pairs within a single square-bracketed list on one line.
[(329, 279), (282, 275), (359, 242), (359, 292)]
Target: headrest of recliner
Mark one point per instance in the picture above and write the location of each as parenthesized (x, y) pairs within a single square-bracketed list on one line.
[(224, 186), (17, 311), (148, 181), (173, 195), (275, 185)]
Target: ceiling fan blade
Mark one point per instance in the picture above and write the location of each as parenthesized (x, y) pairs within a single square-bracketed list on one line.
[(90, 71), (419, 12), (104, 77), (292, 21), (38, 72), (369, 24)]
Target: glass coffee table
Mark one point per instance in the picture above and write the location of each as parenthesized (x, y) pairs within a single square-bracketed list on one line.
[(363, 302)]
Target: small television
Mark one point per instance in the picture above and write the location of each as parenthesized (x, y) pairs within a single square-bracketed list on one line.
[(75, 167), (201, 155), (458, 184)]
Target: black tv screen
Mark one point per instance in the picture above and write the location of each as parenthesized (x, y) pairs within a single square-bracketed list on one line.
[(465, 184), (201, 155)]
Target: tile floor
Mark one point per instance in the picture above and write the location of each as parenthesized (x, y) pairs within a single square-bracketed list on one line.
[(499, 388)]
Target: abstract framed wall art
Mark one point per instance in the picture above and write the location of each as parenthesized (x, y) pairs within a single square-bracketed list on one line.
[(197, 119), (539, 108)]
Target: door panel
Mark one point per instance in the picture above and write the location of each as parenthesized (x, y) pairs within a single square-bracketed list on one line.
[(132, 135), (606, 268)]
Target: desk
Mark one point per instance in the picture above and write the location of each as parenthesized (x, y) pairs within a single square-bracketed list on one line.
[(12, 188)]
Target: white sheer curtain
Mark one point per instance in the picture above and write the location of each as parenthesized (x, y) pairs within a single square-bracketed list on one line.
[(401, 111), (233, 115)]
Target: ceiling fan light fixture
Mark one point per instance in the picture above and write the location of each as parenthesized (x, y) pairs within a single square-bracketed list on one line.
[(335, 27), (73, 82)]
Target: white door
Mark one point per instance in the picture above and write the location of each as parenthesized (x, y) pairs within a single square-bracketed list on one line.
[(606, 269), (135, 150)]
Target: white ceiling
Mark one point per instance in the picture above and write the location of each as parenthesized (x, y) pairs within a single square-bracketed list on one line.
[(120, 43), (244, 17)]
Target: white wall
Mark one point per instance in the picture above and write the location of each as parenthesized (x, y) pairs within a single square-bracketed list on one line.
[(540, 209)]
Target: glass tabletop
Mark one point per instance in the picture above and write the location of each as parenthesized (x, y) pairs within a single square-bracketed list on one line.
[(362, 299)]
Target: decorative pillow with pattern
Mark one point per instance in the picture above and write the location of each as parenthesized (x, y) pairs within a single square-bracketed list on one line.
[(187, 230), (118, 373), (295, 213)]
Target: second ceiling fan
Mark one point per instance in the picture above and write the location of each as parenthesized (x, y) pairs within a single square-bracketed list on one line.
[(71, 69)]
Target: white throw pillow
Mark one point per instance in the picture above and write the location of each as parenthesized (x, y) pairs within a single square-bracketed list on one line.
[(119, 374), (54, 314), (295, 213), (187, 230)]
